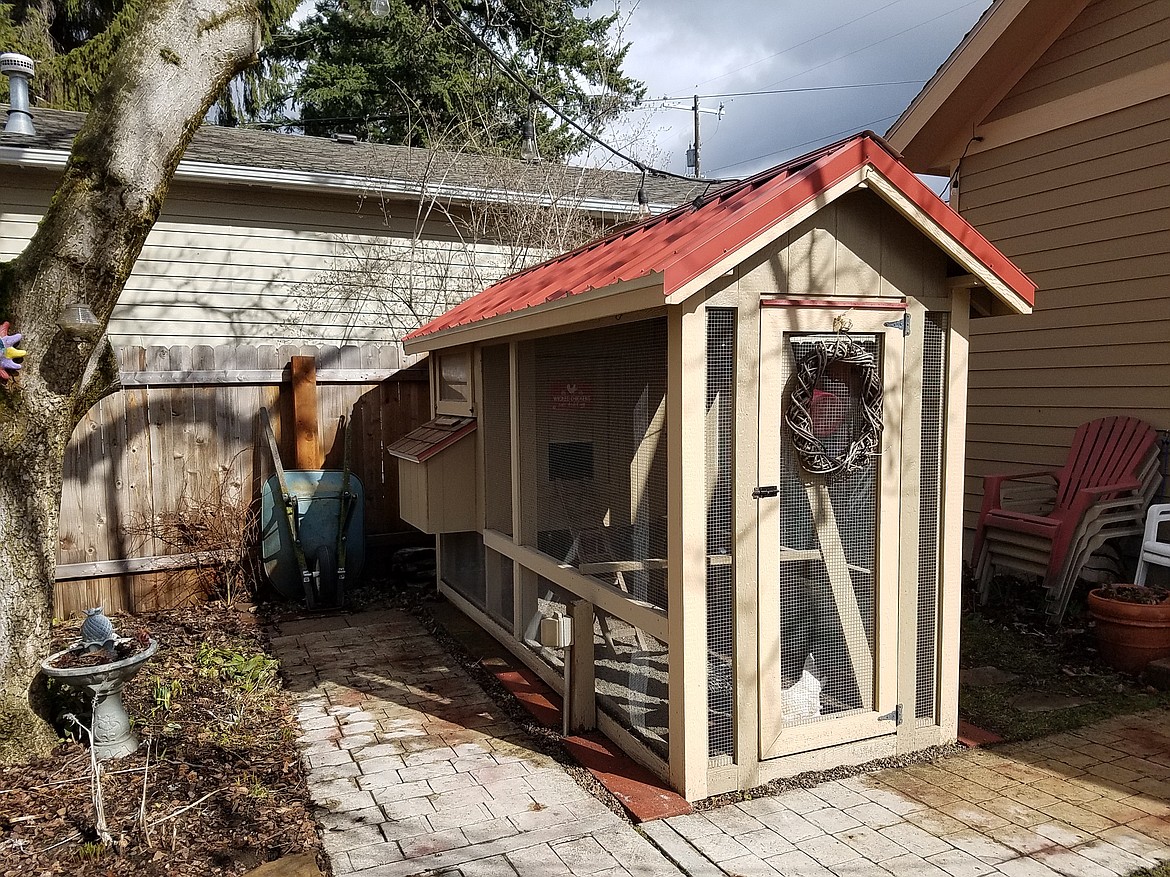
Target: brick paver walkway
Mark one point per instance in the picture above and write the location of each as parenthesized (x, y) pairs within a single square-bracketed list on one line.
[(416, 771), (1088, 804)]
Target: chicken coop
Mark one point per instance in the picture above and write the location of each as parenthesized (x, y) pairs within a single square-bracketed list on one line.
[(726, 444)]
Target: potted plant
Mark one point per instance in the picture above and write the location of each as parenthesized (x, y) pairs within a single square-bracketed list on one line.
[(1133, 624)]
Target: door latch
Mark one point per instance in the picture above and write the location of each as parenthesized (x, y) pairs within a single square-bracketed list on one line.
[(768, 491), (903, 324)]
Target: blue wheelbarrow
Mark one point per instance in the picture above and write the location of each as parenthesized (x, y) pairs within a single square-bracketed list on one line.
[(311, 523)]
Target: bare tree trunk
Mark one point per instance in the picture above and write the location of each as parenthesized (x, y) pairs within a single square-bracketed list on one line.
[(178, 61)]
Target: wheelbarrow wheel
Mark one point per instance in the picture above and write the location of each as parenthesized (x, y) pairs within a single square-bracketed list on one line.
[(325, 567)]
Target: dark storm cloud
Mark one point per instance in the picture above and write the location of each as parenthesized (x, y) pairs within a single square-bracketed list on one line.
[(683, 46)]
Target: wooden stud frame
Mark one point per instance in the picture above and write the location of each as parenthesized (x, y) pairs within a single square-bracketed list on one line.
[(746, 547), (909, 514), (686, 548), (949, 565), (951, 522)]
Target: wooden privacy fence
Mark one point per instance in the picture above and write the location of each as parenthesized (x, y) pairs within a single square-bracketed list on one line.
[(185, 428)]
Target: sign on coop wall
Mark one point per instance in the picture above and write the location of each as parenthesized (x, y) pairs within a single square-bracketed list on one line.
[(570, 396)]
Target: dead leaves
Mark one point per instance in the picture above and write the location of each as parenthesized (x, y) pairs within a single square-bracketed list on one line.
[(225, 789)]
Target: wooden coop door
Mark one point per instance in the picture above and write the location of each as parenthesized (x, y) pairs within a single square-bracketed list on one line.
[(828, 544)]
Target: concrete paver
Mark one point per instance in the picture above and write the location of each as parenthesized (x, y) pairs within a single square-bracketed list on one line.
[(1088, 803), (416, 772)]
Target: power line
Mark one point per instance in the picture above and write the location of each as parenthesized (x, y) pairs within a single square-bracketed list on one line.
[(820, 139), (516, 77), (785, 90), (876, 42), (798, 45)]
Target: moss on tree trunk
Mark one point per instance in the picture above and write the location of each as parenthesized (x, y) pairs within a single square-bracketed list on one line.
[(84, 249)]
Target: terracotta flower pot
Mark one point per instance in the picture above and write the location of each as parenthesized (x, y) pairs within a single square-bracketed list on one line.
[(1130, 635)]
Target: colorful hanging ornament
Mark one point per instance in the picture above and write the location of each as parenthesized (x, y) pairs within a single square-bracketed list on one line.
[(10, 353)]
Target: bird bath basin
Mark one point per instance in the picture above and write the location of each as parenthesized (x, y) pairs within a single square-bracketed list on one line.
[(110, 728)]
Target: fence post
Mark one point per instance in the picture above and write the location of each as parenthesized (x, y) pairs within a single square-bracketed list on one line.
[(306, 439)]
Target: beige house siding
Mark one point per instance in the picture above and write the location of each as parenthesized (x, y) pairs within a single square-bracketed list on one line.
[(1083, 210), (238, 264)]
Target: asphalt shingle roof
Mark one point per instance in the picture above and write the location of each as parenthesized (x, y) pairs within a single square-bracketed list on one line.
[(396, 165)]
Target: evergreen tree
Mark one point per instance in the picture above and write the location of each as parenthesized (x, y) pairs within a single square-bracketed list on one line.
[(74, 41), (413, 76)]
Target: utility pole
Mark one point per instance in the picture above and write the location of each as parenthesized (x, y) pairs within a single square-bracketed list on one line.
[(693, 152), (695, 107)]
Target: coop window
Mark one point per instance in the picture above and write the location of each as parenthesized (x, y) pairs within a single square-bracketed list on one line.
[(495, 423), (570, 461), (454, 383), (593, 453)]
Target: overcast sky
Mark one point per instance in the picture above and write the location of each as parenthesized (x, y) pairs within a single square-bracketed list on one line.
[(720, 47)]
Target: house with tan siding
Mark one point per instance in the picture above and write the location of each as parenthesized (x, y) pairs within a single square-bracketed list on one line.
[(1052, 120), (281, 239)]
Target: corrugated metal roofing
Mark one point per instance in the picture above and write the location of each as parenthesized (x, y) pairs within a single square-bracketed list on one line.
[(689, 240)]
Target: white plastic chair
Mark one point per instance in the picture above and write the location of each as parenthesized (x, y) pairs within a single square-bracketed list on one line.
[(1154, 550)]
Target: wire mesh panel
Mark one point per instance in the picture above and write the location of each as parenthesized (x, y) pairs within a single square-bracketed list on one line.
[(827, 555), (631, 679), (934, 373), (720, 411), (593, 405), (496, 423), (461, 564), (498, 577)]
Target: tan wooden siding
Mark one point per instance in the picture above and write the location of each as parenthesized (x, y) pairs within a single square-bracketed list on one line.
[(231, 265), (857, 246), (1085, 211), (1109, 40), (1114, 144)]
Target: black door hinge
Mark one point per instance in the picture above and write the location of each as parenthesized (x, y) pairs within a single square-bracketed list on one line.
[(903, 324), (769, 490), (895, 716)]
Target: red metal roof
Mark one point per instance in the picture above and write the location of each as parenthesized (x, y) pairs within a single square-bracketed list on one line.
[(686, 241)]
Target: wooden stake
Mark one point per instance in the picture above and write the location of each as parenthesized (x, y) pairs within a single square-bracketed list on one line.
[(580, 693)]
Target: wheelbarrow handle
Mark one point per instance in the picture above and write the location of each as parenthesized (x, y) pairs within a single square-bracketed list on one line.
[(290, 510)]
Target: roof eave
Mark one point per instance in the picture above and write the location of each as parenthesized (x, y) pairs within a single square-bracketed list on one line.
[(981, 70), (315, 181), (618, 299)]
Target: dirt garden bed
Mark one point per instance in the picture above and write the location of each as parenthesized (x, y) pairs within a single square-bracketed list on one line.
[(1023, 679), (216, 788)]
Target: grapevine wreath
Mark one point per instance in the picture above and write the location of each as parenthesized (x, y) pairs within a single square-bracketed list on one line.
[(814, 414)]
